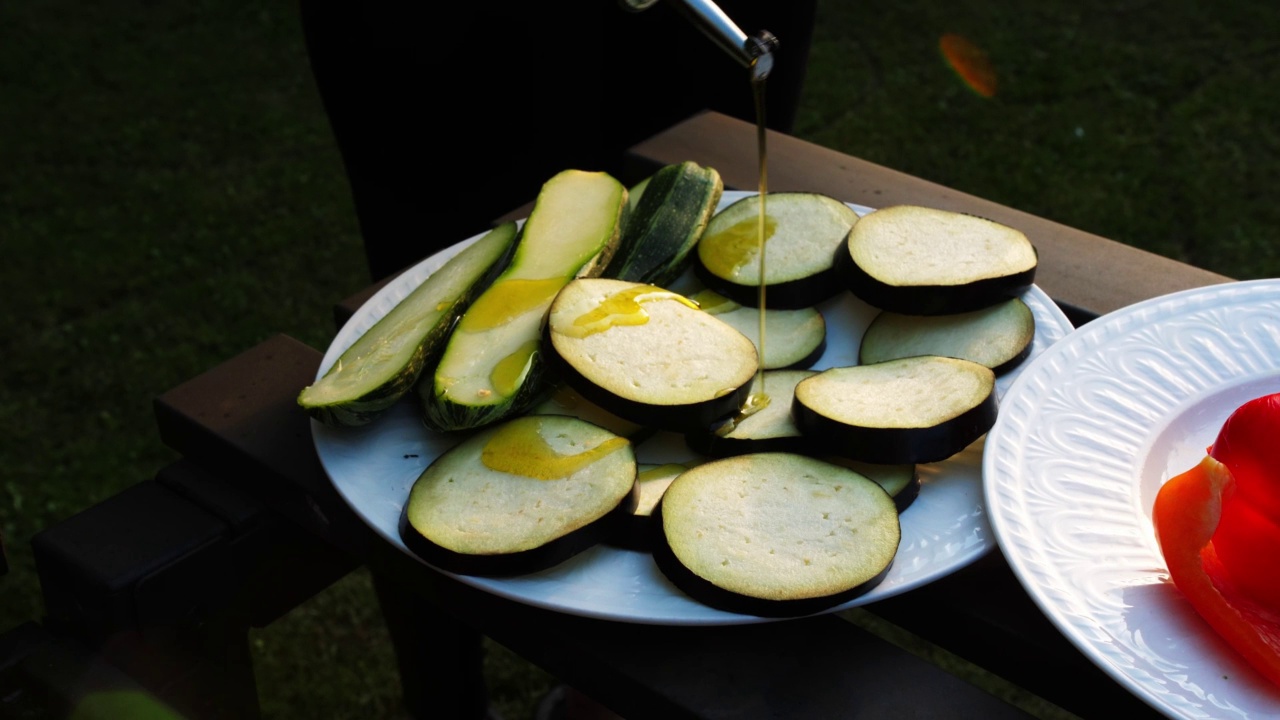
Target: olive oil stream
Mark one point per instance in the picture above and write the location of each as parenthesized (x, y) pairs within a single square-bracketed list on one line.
[(759, 398)]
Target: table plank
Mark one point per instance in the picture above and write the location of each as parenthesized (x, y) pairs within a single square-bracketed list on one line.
[(1077, 269)]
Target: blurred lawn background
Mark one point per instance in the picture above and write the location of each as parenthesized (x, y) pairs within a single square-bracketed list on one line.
[(170, 196)]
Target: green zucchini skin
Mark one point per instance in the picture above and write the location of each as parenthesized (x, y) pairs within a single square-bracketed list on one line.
[(666, 224), (430, 310), (573, 231)]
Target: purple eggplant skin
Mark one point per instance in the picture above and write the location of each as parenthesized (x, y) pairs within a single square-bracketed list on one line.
[(897, 445), (930, 299), (674, 418), (719, 598), (528, 561), (790, 295)]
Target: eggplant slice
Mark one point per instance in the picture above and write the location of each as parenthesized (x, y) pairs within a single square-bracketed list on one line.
[(647, 354), (775, 534), (637, 532), (793, 338), (914, 410), (923, 261), (901, 480), (771, 429), (520, 496), (802, 234), (998, 337)]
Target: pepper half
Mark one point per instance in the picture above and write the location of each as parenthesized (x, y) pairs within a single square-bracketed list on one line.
[(1218, 525)]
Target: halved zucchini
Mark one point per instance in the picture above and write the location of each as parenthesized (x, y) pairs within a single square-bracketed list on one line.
[(648, 354), (769, 430), (383, 364), (914, 410), (998, 336), (923, 261), (520, 496), (793, 338), (802, 233), (491, 368), (659, 236), (775, 534)]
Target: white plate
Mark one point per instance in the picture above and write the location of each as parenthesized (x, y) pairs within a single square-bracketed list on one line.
[(1085, 438), (374, 467)]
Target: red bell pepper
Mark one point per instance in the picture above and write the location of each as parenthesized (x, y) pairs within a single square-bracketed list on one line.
[(1218, 525)]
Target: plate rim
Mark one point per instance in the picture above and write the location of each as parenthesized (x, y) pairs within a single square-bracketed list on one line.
[(1149, 314)]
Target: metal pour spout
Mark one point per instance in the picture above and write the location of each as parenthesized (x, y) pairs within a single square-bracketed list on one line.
[(755, 52)]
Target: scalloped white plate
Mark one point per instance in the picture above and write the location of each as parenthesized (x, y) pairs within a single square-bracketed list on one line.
[(1085, 438), (374, 467)]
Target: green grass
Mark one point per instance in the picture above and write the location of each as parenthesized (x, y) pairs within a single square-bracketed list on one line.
[(171, 197)]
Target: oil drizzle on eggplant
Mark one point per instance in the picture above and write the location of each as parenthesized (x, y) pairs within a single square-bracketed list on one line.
[(519, 448), (624, 307)]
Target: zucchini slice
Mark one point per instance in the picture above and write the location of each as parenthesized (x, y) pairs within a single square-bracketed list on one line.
[(647, 354), (520, 496), (659, 236), (998, 336), (775, 534), (802, 233), (914, 410), (792, 338), (923, 261), (383, 364), (771, 429), (491, 368)]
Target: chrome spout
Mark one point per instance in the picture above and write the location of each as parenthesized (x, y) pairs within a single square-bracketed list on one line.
[(755, 52)]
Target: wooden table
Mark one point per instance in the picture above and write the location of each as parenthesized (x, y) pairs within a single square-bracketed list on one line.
[(250, 465)]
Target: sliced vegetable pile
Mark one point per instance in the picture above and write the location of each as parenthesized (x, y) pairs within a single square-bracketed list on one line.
[(553, 349), (1218, 525)]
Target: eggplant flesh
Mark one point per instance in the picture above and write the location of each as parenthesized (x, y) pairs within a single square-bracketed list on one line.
[(923, 261), (914, 410), (998, 337), (648, 354), (808, 535), (520, 496)]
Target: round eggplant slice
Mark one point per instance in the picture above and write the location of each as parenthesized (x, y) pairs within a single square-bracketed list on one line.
[(648, 354), (802, 233), (998, 337), (913, 410), (520, 496), (793, 338), (775, 534), (637, 532), (901, 481), (922, 261), (768, 430)]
